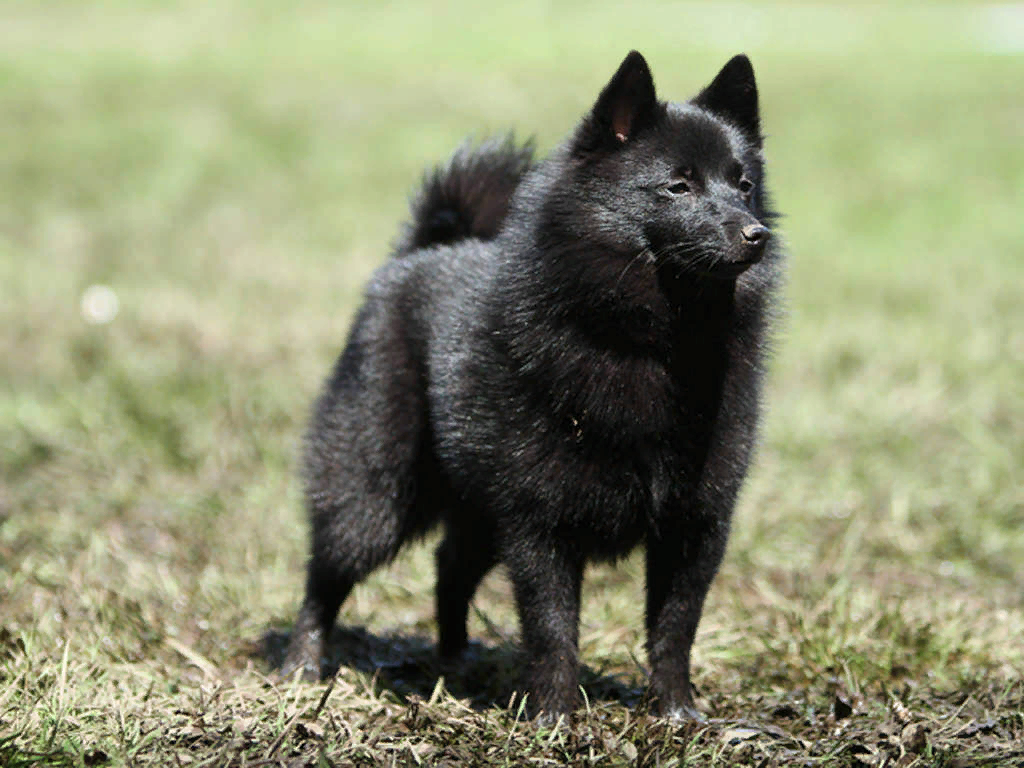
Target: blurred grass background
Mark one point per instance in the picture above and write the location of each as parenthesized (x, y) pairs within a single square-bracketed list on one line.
[(234, 170)]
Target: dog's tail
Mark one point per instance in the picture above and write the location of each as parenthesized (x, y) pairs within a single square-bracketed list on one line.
[(468, 197)]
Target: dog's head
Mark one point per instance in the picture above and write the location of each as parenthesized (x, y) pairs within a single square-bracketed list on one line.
[(678, 184)]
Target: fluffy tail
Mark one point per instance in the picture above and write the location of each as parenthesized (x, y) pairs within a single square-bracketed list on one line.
[(468, 197)]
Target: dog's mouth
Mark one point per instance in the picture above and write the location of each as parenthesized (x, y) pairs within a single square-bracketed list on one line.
[(729, 269), (743, 255), (700, 260)]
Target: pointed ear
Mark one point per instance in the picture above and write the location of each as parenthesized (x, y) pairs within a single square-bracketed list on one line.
[(627, 104), (733, 95)]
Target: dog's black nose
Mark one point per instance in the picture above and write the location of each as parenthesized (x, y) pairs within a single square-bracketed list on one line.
[(756, 235)]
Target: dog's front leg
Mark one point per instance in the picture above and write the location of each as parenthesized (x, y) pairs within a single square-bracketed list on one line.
[(547, 588), (681, 564)]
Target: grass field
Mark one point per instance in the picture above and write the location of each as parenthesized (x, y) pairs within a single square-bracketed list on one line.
[(233, 172)]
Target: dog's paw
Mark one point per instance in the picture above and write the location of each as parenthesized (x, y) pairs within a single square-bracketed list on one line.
[(686, 713), (303, 658)]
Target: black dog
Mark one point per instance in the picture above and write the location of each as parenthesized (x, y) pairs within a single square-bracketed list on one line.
[(563, 362)]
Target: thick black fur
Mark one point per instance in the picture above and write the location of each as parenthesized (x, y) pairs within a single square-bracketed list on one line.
[(577, 372), (468, 197)]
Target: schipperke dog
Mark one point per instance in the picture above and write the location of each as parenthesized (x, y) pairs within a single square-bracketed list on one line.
[(563, 362)]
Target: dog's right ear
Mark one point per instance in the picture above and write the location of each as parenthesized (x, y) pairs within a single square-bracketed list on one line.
[(627, 105)]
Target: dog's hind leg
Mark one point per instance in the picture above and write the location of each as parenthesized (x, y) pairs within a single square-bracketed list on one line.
[(463, 559), (362, 462)]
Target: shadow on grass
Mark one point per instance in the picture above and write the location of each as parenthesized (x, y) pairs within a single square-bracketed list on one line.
[(486, 676)]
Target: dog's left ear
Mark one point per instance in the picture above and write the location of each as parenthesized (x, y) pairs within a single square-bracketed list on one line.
[(733, 95), (627, 105)]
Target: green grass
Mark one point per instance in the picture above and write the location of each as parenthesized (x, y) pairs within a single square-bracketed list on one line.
[(234, 172)]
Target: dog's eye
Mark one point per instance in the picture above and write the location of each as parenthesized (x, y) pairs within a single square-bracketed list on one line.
[(678, 188), (746, 186)]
